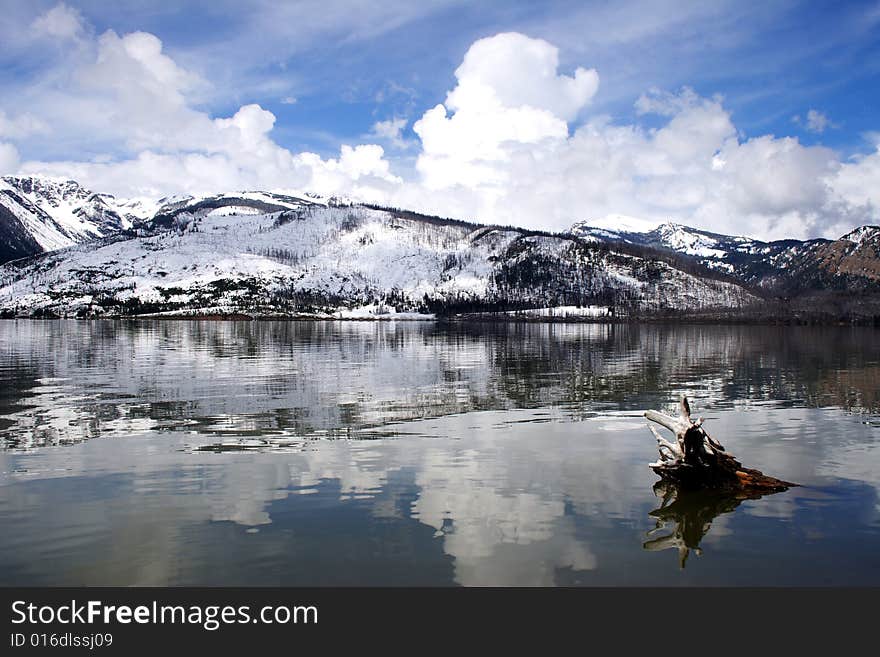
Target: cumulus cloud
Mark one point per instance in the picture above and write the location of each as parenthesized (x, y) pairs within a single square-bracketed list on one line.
[(509, 94), (508, 156), (139, 95), (360, 171), (127, 92), (60, 22), (516, 163), (515, 71), (858, 183)]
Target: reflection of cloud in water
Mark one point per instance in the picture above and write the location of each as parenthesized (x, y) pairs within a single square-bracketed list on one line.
[(359, 469), (501, 528), (504, 521), (478, 514), (243, 493)]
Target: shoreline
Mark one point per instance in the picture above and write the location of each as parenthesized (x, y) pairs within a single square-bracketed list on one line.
[(499, 318)]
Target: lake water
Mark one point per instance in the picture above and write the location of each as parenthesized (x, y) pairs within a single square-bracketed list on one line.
[(348, 453)]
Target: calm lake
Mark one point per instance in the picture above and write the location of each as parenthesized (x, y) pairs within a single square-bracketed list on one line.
[(420, 453)]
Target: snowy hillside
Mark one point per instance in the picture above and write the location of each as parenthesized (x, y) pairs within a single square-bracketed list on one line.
[(264, 253), (270, 254), (713, 250), (752, 261), (20, 222), (55, 213), (39, 214)]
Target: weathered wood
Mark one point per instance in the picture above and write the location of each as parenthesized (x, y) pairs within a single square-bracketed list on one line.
[(696, 460)]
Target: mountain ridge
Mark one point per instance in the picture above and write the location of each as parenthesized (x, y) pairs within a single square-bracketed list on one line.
[(272, 254), (742, 255), (269, 253)]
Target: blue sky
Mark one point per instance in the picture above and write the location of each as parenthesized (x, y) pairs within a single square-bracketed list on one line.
[(770, 63), (329, 71)]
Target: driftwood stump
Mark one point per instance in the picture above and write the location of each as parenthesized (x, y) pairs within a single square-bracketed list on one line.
[(696, 461)]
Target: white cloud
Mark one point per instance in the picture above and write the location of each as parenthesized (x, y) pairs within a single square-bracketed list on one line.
[(125, 91), (391, 131), (8, 158), (517, 163), (289, 100), (509, 94), (360, 171), (816, 121), (666, 103), (512, 143), (858, 182), (21, 126), (498, 67), (60, 22), (514, 161)]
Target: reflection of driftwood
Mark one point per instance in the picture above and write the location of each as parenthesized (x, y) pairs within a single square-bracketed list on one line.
[(690, 512), (695, 460)]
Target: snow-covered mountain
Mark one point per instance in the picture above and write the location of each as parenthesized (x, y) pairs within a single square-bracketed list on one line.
[(716, 251), (265, 253), (181, 210), (39, 214), (786, 267), (43, 214), (272, 254)]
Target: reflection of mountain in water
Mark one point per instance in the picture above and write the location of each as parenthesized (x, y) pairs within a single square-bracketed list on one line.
[(686, 516), (70, 381)]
